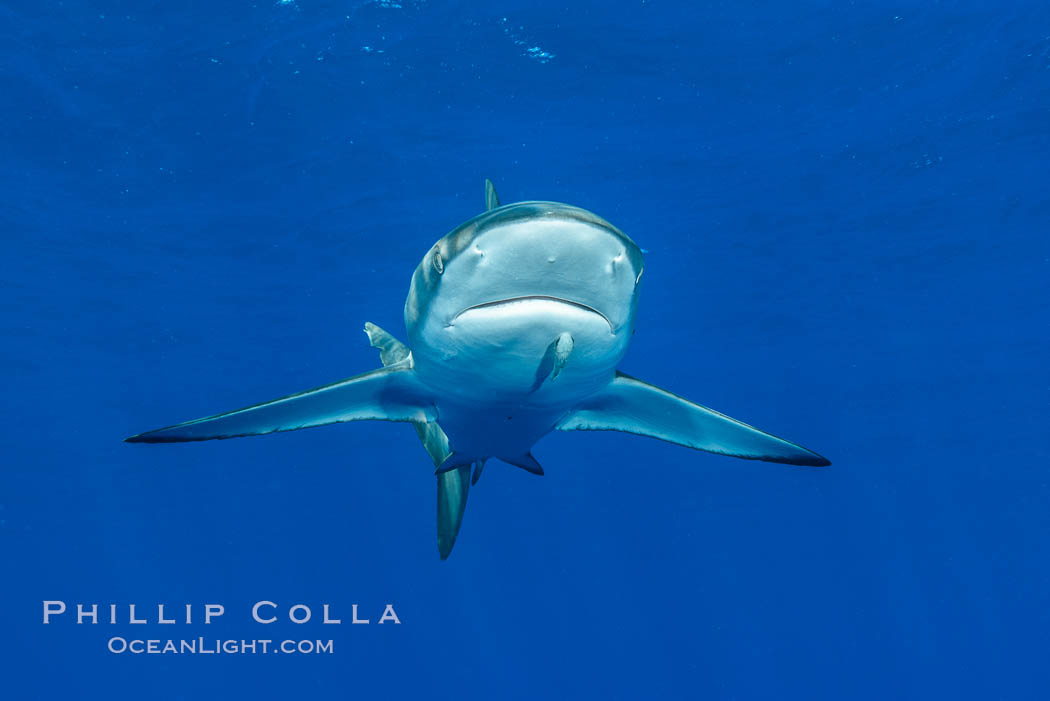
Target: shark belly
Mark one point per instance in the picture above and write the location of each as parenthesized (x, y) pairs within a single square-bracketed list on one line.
[(495, 430)]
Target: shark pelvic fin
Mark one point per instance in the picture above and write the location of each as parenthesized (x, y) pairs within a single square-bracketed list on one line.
[(633, 406), (525, 462), (491, 198), (451, 462), (388, 394)]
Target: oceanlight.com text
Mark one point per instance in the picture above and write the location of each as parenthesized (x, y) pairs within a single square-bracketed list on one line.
[(214, 646)]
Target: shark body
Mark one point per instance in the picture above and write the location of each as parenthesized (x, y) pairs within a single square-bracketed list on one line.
[(516, 322)]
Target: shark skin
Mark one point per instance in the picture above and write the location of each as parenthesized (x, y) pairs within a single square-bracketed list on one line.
[(516, 322)]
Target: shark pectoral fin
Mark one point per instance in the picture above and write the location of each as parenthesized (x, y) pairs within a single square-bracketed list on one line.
[(633, 406), (451, 501), (388, 394), (478, 467), (491, 198)]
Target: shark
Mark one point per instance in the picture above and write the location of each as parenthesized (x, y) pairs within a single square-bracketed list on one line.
[(516, 323)]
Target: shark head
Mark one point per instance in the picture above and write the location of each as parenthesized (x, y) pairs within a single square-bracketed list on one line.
[(500, 289)]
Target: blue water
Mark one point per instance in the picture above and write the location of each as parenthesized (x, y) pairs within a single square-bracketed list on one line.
[(846, 219)]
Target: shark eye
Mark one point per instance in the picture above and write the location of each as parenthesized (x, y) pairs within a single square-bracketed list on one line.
[(439, 265)]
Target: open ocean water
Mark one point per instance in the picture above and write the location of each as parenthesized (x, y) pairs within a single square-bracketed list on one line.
[(846, 215)]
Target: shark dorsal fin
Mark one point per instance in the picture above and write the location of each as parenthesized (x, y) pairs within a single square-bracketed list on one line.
[(491, 198)]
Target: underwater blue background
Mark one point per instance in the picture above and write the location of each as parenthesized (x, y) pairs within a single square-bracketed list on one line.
[(845, 213)]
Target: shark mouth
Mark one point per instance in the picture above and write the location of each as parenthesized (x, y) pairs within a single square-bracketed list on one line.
[(534, 298)]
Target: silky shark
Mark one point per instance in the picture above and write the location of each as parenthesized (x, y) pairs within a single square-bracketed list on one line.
[(516, 322)]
